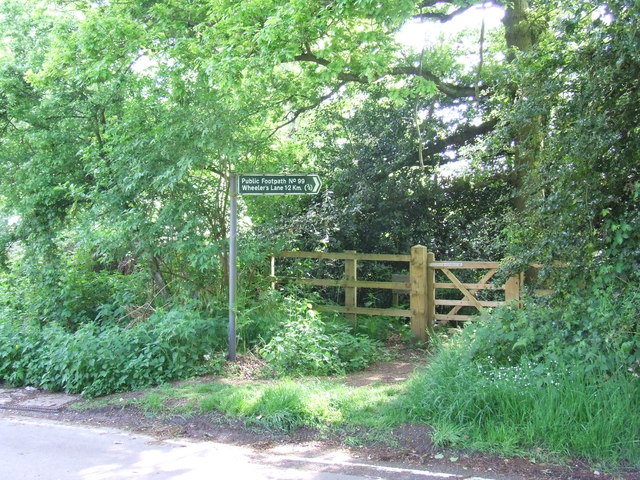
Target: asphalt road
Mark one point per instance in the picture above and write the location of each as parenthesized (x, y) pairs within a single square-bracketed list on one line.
[(32, 448)]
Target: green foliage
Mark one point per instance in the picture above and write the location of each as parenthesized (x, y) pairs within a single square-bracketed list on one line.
[(581, 87), (599, 331), (525, 406), (561, 374), (119, 123), (71, 289), (383, 328), (6, 239), (109, 158), (99, 360), (96, 359), (305, 344), (377, 201)]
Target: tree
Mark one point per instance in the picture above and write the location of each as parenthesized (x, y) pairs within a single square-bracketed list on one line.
[(120, 122), (106, 160), (583, 179), (373, 205)]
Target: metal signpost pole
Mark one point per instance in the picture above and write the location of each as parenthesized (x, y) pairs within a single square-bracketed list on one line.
[(233, 235), (257, 184)]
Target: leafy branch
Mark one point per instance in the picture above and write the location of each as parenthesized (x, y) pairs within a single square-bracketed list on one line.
[(444, 17), (296, 114), (449, 89), (459, 137)]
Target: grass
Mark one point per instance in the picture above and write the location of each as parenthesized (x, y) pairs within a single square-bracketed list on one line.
[(518, 410), (282, 405), (524, 408)]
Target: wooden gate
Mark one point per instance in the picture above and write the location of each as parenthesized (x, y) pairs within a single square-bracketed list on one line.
[(470, 291), (427, 277)]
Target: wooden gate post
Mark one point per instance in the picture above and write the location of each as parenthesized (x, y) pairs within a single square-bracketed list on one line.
[(431, 293), (418, 296), (351, 293), (512, 288)]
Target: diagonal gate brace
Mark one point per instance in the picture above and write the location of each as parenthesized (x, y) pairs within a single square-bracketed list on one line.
[(482, 281), (467, 294)]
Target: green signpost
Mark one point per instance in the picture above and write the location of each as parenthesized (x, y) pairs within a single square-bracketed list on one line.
[(268, 184), (257, 184)]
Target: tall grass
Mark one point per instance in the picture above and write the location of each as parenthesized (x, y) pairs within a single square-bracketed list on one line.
[(528, 406)]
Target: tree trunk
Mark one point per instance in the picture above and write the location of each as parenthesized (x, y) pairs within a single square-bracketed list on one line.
[(158, 279), (518, 31), (519, 37)]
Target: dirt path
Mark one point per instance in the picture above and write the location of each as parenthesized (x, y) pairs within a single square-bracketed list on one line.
[(384, 373)]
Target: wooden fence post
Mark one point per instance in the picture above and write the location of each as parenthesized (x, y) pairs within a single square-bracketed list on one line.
[(512, 288), (418, 297), (351, 293)]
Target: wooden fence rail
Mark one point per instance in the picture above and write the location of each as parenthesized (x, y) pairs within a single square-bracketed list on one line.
[(422, 285)]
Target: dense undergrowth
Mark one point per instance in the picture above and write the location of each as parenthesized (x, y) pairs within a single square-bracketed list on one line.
[(179, 343), (503, 384), (97, 360), (564, 378), (525, 407)]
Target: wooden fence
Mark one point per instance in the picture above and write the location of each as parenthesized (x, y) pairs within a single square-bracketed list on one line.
[(426, 277)]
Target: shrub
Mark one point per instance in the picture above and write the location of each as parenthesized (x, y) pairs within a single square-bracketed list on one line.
[(306, 345), (563, 377), (598, 330), (98, 360)]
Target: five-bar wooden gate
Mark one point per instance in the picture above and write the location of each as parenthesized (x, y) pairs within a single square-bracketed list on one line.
[(426, 278)]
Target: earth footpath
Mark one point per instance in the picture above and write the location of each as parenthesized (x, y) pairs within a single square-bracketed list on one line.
[(413, 446)]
